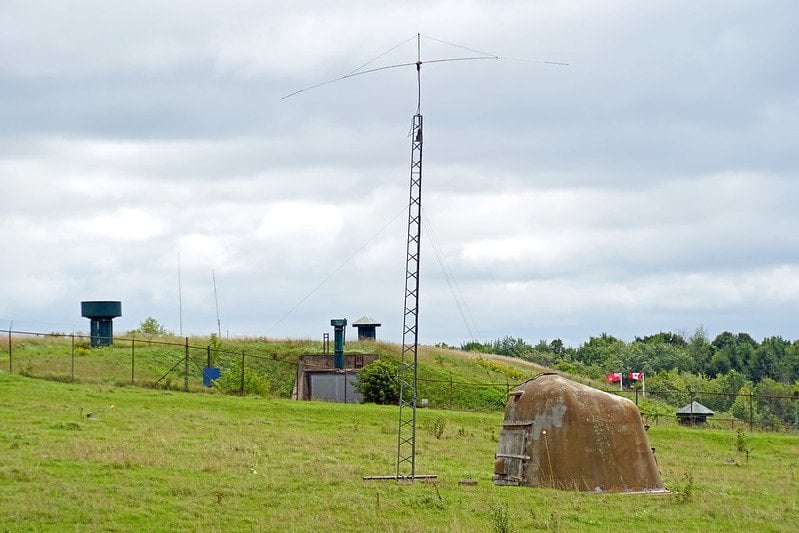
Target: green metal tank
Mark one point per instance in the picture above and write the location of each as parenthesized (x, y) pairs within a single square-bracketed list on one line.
[(101, 315), (338, 341)]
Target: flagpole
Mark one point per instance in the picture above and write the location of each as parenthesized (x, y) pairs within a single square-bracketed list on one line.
[(643, 384)]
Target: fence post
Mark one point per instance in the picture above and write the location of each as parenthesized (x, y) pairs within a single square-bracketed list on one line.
[(133, 361), (242, 374), (636, 396), (186, 365), (10, 368), (751, 412), (73, 356)]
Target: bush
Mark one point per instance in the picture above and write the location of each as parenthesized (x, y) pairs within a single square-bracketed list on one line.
[(150, 327), (378, 383), (256, 383), (437, 427)]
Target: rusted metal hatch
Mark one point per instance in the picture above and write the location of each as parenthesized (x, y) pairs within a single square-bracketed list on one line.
[(561, 434)]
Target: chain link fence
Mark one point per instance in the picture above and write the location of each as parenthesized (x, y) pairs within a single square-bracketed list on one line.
[(157, 363), (177, 364)]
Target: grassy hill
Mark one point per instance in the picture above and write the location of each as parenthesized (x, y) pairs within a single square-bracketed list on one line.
[(104, 457), (448, 378)]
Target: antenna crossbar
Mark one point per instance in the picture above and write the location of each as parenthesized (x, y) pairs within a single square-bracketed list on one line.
[(419, 61)]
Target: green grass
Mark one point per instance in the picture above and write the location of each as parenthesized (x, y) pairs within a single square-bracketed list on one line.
[(448, 378), (167, 460)]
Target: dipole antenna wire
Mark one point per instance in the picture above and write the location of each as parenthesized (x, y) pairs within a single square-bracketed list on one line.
[(494, 56), (384, 53), (339, 267), (359, 71), (457, 295)]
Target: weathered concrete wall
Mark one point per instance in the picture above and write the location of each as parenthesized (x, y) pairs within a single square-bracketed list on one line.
[(561, 434)]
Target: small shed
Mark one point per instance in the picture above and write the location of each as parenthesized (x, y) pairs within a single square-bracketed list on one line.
[(565, 435), (693, 414), (319, 379), (367, 328)]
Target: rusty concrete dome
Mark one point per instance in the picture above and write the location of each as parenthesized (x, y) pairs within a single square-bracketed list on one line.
[(565, 435)]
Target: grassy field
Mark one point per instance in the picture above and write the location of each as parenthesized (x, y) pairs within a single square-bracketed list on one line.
[(449, 378), (103, 457)]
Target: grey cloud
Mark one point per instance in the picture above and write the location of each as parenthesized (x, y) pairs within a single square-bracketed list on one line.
[(647, 186)]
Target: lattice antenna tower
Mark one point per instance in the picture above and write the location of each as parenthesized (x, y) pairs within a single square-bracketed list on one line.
[(408, 370)]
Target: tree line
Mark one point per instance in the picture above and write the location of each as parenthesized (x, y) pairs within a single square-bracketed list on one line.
[(679, 366)]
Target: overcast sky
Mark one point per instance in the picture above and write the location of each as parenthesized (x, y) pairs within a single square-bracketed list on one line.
[(651, 185)]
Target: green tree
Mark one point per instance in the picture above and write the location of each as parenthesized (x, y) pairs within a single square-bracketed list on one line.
[(766, 358), (511, 347), (734, 352), (557, 347), (599, 350), (741, 406), (378, 383), (669, 386), (723, 340), (701, 351), (675, 339), (719, 364), (788, 365), (774, 401), (150, 326), (475, 346), (729, 384), (743, 358), (651, 357)]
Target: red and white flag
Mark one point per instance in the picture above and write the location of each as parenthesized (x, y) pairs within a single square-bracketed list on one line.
[(636, 376), (613, 377)]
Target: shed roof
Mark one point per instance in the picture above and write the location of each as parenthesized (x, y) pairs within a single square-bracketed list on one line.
[(366, 320), (694, 408)]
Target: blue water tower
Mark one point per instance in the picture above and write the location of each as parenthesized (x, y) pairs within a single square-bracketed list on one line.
[(101, 315)]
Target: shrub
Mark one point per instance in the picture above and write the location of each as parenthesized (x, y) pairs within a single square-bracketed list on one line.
[(378, 383), (437, 427), (150, 326), (506, 370), (741, 444), (256, 383), (500, 518)]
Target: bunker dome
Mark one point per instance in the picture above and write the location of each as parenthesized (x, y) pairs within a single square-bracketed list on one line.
[(565, 435)]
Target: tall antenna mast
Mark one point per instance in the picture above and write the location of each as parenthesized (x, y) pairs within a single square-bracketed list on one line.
[(418, 73), (216, 303), (180, 298), (408, 370)]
